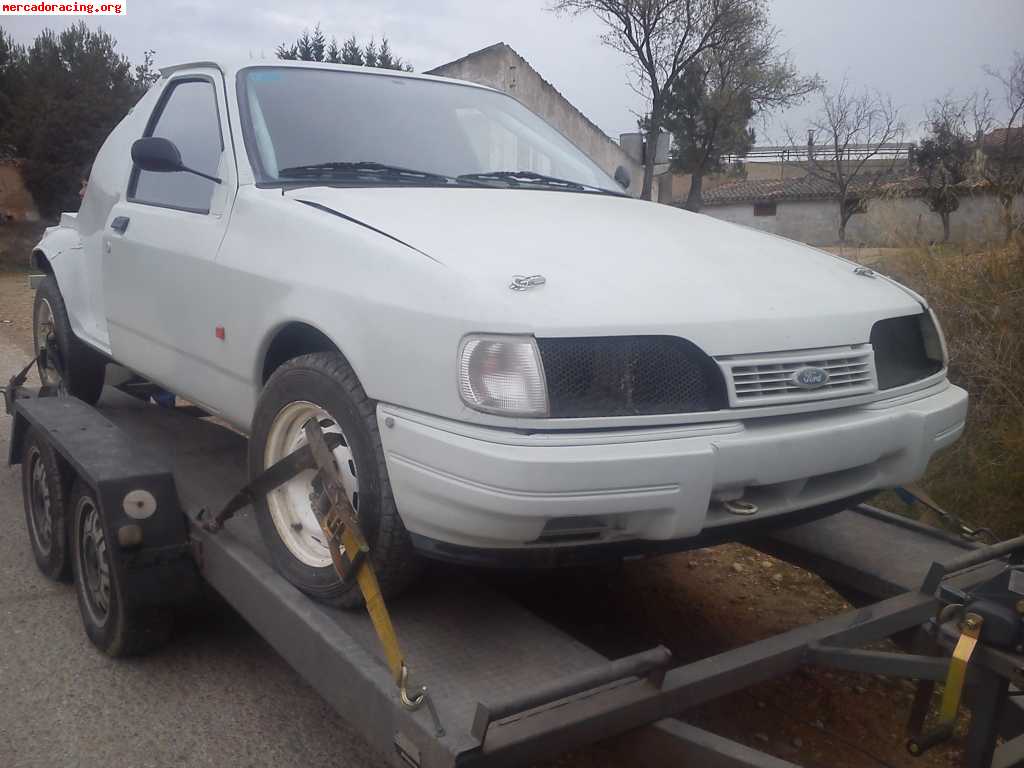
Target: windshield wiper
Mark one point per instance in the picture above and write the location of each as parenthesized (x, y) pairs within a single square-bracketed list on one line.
[(532, 178), (363, 171)]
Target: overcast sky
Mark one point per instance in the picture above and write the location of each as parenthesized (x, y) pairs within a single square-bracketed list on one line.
[(916, 50)]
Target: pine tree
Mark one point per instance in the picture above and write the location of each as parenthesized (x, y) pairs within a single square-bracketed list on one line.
[(351, 53), (370, 54), (333, 54)]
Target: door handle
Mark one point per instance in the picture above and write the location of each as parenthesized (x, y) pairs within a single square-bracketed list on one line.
[(119, 224)]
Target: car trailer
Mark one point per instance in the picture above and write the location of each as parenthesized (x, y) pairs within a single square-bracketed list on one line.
[(504, 687)]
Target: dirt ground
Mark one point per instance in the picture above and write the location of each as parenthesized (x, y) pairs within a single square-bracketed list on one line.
[(698, 604), (16, 310)]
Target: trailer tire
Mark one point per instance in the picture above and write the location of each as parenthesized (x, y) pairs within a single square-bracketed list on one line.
[(114, 627), (84, 368), (44, 487), (325, 381)]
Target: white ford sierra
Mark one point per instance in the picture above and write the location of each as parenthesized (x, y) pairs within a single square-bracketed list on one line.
[(526, 365)]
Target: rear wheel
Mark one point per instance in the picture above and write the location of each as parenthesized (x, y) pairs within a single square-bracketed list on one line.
[(322, 386), (78, 368), (115, 628), (44, 492)]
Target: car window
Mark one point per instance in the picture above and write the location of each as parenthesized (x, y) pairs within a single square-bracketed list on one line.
[(438, 127), (189, 119)]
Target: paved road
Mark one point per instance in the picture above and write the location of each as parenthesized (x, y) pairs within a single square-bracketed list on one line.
[(217, 696)]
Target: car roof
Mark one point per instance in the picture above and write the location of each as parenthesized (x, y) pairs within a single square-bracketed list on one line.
[(230, 69)]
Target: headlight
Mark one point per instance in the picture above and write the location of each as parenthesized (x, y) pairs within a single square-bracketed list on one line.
[(502, 374), (931, 334)]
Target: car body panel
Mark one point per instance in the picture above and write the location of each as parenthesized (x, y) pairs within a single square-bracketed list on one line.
[(396, 277)]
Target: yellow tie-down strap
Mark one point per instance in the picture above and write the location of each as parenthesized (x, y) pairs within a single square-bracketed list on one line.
[(354, 546), (342, 531)]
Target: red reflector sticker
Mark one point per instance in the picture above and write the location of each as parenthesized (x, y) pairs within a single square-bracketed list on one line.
[(220, 332)]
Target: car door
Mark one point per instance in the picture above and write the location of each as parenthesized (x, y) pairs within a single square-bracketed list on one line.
[(159, 269)]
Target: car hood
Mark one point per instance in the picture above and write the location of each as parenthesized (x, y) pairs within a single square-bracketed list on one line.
[(615, 265)]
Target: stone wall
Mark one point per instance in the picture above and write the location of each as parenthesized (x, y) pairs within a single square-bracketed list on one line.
[(886, 222), (500, 67)]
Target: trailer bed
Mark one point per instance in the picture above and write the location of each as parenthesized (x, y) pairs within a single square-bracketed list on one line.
[(507, 686)]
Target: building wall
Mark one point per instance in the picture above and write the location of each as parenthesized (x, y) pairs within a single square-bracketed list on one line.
[(886, 222), (500, 67), (15, 201)]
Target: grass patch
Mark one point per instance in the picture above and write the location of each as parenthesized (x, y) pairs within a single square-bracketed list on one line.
[(978, 294)]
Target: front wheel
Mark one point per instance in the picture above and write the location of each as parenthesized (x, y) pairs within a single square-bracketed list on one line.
[(322, 386), (78, 367)]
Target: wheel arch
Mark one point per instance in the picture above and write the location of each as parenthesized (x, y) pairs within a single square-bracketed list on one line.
[(40, 261), (290, 340)]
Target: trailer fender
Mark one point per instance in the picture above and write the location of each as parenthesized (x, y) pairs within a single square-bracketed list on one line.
[(137, 495), (15, 446)]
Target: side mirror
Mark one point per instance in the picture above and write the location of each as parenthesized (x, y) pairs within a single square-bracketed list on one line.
[(622, 177), (160, 155), (157, 154)]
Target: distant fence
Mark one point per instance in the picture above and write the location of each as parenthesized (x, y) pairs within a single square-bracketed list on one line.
[(799, 154)]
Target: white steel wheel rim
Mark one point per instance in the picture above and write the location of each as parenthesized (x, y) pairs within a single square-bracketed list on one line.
[(289, 505), (44, 327)]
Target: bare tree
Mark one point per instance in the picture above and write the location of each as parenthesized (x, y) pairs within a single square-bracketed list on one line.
[(845, 142), (945, 158), (1003, 166), (711, 108), (661, 38)]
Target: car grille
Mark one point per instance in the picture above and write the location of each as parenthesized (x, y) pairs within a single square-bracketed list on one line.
[(770, 378), (628, 376)]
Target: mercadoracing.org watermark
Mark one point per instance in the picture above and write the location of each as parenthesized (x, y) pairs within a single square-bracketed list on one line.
[(64, 9)]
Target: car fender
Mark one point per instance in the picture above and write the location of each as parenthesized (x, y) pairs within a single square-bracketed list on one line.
[(57, 254)]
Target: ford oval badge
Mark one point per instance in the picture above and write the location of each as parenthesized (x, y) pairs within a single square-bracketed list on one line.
[(810, 377)]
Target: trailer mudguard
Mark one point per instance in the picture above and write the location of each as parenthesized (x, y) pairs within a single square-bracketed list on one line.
[(136, 491)]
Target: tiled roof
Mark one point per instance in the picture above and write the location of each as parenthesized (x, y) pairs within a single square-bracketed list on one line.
[(768, 190), (998, 137)]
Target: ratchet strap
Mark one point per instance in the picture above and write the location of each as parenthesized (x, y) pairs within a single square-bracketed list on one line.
[(350, 554), (345, 541)]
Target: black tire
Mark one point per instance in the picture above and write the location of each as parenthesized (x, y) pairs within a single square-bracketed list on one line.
[(114, 627), (326, 380), (44, 487), (84, 369)]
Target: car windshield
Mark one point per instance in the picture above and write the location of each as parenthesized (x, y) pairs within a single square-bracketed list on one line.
[(330, 126)]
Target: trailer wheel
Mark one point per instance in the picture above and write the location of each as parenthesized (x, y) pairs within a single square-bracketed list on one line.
[(83, 368), (113, 627), (324, 387), (44, 492)]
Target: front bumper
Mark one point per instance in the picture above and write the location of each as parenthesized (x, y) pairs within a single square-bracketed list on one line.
[(485, 488)]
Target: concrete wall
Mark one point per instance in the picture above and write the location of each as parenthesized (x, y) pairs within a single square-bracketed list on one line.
[(500, 67), (15, 201), (886, 222)]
